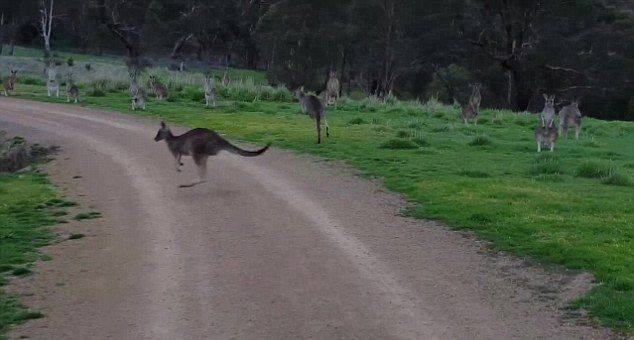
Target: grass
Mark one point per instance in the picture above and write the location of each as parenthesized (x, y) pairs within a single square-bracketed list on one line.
[(27, 203), (552, 207)]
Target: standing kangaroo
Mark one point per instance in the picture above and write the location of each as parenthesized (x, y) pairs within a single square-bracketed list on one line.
[(210, 91), (160, 90), (138, 94), (52, 85), (333, 88), (313, 106), (72, 91), (9, 83), (546, 133), (570, 115), (476, 97), (225, 78), (200, 144)]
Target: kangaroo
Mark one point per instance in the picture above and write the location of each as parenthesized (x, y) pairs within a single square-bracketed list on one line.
[(160, 90), (333, 88), (9, 83), (225, 79), (138, 94), (210, 91), (138, 99), (52, 85), (546, 132), (313, 107), (570, 115), (200, 144), (476, 97), (72, 91)]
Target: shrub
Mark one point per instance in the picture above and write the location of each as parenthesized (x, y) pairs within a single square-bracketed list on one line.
[(88, 67), (356, 121), (32, 81), (398, 144), (592, 169), (419, 139), (194, 94), (546, 164), (70, 61), (403, 134), (616, 178), (480, 140), (96, 93), (474, 174)]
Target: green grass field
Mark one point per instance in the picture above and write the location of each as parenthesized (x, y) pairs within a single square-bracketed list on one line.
[(28, 204), (573, 207)]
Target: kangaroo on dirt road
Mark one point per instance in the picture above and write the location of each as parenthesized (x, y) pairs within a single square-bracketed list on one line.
[(312, 106), (200, 144)]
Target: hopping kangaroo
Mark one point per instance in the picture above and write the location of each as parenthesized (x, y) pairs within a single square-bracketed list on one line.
[(200, 144), (160, 90), (333, 88), (72, 91), (312, 106), (546, 133), (9, 83), (210, 91), (570, 115)]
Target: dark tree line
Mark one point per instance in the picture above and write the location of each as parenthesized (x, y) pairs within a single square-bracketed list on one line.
[(410, 48)]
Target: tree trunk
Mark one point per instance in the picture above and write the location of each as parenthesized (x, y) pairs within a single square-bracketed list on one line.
[(518, 95)]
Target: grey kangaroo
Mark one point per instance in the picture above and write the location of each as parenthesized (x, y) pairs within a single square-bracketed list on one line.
[(200, 144), (570, 115), (546, 133), (312, 106), (9, 83), (72, 91), (160, 90), (333, 88), (210, 91)]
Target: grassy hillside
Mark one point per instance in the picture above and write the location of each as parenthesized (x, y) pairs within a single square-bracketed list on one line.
[(573, 207)]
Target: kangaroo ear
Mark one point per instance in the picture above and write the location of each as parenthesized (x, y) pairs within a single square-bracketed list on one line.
[(545, 96), (163, 124)]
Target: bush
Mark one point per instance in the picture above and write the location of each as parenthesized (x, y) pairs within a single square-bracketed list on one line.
[(70, 61), (16, 153), (480, 140), (546, 164), (593, 169), (616, 178), (32, 81), (88, 67), (474, 174), (96, 93), (398, 144), (194, 94), (356, 121)]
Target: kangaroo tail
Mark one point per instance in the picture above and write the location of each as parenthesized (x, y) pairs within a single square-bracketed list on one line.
[(245, 153)]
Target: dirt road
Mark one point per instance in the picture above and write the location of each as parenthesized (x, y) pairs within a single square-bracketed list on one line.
[(274, 247)]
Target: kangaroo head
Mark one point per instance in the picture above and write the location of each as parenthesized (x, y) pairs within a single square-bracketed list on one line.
[(163, 132), (333, 74), (299, 93), (550, 100), (477, 87)]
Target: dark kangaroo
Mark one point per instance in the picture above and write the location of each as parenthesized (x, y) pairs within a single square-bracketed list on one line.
[(312, 106), (200, 144)]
